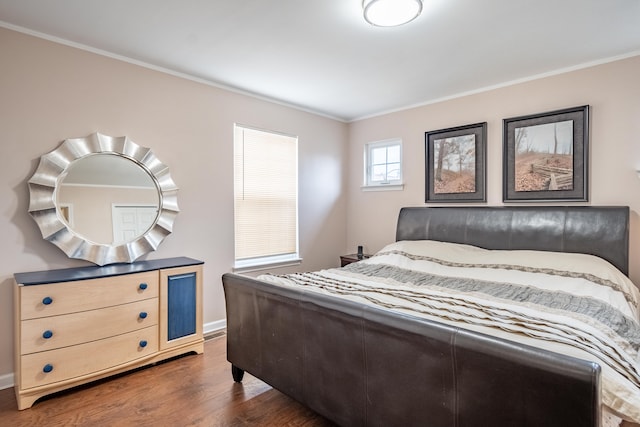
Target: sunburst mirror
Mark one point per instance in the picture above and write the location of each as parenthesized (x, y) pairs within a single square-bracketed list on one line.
[(103, 199)]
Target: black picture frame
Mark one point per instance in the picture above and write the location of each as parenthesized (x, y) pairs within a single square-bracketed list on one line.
[(464, 181), (546, 156)]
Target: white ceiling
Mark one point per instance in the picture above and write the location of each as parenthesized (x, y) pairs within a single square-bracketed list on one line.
[(323, 57)]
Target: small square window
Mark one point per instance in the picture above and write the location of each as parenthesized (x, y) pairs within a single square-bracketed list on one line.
[(383, 163)]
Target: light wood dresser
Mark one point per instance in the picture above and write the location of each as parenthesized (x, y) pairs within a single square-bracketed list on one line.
[(78, 325)]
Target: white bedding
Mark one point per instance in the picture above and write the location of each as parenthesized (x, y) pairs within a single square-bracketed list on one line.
[(574, 304)]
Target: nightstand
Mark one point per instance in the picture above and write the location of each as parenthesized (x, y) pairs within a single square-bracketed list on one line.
[(348, 259)]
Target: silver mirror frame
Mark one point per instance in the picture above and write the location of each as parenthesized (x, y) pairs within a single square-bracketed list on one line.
[(52, 168)]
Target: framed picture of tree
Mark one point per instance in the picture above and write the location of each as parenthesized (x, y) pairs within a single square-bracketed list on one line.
[(455, 164), (545, 156)]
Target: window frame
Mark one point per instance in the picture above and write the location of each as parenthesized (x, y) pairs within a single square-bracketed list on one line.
[(273, 260), (368, 183)]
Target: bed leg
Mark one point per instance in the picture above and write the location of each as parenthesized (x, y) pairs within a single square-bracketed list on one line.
[(237, 373)]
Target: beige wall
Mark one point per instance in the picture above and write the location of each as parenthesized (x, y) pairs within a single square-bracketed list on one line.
[(613, 92), (50, 92)]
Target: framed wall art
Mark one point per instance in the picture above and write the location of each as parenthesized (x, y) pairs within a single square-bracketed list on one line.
[(455, 164), (545, 156)]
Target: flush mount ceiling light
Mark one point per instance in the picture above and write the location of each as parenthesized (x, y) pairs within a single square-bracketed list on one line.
[(391, 13)]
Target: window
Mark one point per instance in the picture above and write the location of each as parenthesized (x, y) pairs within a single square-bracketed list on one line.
[(265, 198), (383, 164)]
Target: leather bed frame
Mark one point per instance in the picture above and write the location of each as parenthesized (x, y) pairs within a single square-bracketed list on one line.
[(358, 365)]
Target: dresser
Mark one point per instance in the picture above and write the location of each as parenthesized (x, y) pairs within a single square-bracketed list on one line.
[(77, 325)]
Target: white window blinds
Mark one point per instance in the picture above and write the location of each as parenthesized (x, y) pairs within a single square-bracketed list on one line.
[(266, 196)]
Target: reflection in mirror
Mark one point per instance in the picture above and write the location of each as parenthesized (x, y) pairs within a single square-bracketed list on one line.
[(107, 199), (103, 199)]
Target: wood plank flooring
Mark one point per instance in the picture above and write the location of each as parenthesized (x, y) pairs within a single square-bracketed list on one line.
[(194, 390)]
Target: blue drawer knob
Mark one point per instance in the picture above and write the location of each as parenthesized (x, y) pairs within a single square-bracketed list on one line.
[(143, 343), (47, 300), (143, 314), (47, 368), (142, 286), (47, 334)]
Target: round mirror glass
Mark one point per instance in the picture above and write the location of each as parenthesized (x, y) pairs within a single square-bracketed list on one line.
[(107, 199)]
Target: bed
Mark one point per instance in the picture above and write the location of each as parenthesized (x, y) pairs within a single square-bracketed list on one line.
[(406, 350)]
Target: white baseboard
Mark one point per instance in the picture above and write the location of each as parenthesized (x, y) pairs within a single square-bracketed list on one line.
[(7, 380), (214, 327)]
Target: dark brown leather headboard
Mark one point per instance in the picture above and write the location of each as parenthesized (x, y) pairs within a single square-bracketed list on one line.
[(596, 230)]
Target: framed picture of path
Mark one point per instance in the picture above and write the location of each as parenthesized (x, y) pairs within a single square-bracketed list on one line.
[(545, 156)]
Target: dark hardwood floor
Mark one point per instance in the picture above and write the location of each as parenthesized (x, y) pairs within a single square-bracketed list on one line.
[(194, 390)]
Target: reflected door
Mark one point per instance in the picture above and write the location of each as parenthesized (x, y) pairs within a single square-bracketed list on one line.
[(131, 221)]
